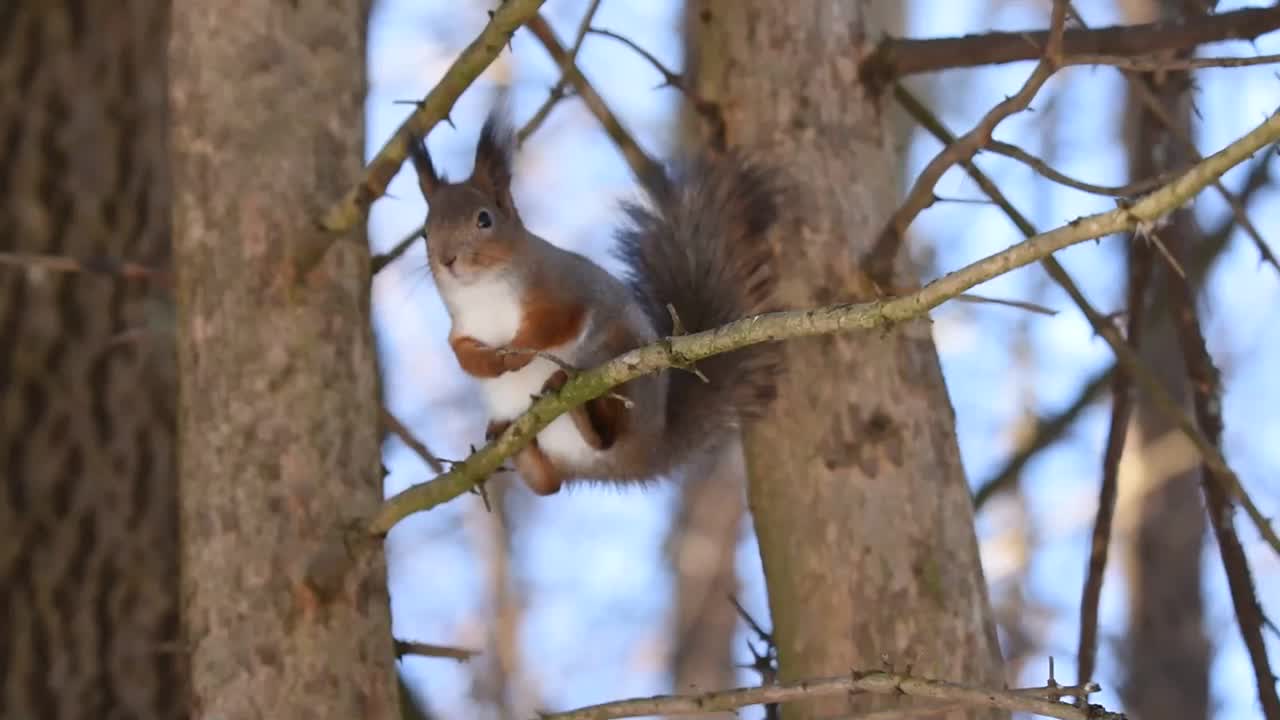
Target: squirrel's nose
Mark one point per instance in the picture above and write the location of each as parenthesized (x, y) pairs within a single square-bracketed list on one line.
[(448, 262)]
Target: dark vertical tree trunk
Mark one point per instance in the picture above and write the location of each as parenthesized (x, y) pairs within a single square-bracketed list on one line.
[(278, 414), (1167, 654), (88, 510), (856, 488)]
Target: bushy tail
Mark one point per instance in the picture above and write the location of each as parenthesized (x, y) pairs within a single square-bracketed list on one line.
[(702, 245)]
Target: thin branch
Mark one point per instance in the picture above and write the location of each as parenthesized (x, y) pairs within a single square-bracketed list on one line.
[(1157, 64), (894, 58), (1156, 107), (682, 350), (1035, 701), (408, 647), (400, 430), (1127, 359), (1206, 386), (352, 208), (878, 261), (381, 260), (560, 90), (709, 111), (1122, 401), (1047, 431), (641, 164), (1125, 191)]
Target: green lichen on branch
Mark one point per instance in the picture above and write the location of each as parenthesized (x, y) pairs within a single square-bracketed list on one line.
[(477, 56), (773, 327)]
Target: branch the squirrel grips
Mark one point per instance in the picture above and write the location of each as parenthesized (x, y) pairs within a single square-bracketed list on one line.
[(522, 309)]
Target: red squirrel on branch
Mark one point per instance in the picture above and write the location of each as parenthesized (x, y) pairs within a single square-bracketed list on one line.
[(520, 306)]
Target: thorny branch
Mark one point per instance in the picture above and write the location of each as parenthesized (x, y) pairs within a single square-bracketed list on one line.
[(894, 58), (837, 318), (407, 437), (1040, 701), (1207, 399), (1153, 105), (878, 261), (560, 89), (1126, 358), (477, 56), (641, 164), (709, 111)]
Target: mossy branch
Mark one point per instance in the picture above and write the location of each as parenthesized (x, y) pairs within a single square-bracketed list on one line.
[(477, 56), (685, 349)]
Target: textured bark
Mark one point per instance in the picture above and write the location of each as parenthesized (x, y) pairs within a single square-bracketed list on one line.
[(856, 488), (1167, 654), (88, 512), (278, 414)]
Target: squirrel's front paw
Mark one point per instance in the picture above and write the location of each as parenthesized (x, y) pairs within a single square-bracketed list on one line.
[(477, 358)]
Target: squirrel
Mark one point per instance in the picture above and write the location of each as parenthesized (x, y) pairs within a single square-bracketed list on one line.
[(523, 310)]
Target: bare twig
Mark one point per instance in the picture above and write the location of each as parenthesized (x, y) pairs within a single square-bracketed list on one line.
[(805, 323), (1157, 64), (1132, 189), (882, 683), (352, 208), (1155, 106), (878, 261), (380, 261), (1126, 358), (1046, 432), (559, 90), (641, 164), (708, 110), (408, 647), (897, 57), (1049, 430), (1207, 398), (1122, 401), (400, 430)]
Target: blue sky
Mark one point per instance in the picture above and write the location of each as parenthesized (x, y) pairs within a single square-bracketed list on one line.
[(589, 565)]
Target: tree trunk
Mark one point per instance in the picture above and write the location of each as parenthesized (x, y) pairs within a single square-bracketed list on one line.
[(856, 487), (702, 550), (1167, 655), (88, 514), (278, 414)]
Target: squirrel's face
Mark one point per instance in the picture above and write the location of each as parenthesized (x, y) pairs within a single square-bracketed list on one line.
[(470, 236)]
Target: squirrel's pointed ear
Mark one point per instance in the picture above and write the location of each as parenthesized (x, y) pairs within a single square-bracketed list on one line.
[(428, 178), (495, 152)]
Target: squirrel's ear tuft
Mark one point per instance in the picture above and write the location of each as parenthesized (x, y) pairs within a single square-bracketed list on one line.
[(428, 178), (495, 152)]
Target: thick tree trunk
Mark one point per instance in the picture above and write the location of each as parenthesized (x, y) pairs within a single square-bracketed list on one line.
[(859, 499), (278, 413), (88, 511), (1167, 655)]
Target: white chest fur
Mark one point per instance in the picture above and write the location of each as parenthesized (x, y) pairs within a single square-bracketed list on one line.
[(491, 312), (488, 311)]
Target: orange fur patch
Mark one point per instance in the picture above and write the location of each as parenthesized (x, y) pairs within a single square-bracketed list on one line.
[(480, 360), (547, 322)]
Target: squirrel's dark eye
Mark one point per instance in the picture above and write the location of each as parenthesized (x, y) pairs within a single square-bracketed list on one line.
[(484, 219)]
